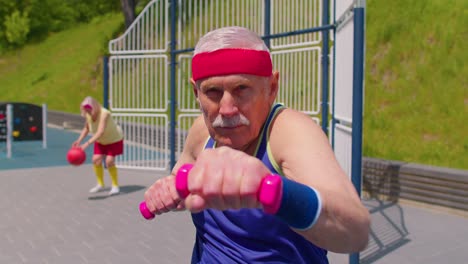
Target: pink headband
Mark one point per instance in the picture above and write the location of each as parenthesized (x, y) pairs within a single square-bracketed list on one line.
[(231, 61), (87, 106)]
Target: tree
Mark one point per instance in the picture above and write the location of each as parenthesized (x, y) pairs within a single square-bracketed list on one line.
[(17, 28), (128, 9)]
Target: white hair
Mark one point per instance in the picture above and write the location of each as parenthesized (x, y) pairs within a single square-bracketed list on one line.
[(230, 37), (90, 102)]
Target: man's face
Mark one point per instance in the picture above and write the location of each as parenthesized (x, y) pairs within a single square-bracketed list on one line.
[(236, 106)]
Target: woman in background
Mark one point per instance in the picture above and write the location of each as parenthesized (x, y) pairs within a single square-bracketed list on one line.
[(107, 138)]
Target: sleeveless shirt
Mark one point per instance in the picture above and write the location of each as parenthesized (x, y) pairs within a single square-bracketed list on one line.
[(250, 235)]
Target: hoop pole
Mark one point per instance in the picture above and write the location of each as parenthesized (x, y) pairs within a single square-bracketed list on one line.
[(44, 126), (9, 137)]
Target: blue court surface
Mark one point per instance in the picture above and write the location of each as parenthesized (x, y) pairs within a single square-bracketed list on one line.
[(31, 154)]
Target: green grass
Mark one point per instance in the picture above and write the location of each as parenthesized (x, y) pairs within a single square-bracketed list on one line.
[(416, 97), (63, 69)]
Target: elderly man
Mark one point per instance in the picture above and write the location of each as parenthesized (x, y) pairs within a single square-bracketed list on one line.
[(243, 136)]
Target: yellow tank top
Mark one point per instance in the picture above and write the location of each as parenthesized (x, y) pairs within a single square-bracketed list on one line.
[(112, 131)]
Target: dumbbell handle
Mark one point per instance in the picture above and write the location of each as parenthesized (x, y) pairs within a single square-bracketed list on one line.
[(269, 194)]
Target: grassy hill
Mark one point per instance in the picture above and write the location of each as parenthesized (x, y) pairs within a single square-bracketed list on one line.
[(416, 98), (416, 101), (63, 69)]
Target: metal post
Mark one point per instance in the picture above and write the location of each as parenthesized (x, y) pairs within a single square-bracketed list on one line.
[(358, 88), (267, 23), (44, 126), (105, 84), (9, 126), (325, 65), (332, 88), (105, 81), (172, 10)]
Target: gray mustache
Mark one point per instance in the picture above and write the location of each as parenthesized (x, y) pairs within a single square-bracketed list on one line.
[(230, 121)]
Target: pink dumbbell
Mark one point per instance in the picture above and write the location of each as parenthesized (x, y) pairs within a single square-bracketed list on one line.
[(269, 194)]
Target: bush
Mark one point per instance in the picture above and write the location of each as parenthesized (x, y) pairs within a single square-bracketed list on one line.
[(42, 17), (16, 28)]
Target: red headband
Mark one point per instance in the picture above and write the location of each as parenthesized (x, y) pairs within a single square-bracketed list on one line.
[(231, 61)]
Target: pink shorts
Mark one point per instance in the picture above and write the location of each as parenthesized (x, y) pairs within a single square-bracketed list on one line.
[(113, 149)]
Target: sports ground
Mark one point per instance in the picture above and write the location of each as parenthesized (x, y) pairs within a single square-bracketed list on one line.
[(48, 216)]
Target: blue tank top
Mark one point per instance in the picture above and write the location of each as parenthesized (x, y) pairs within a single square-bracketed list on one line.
[(250, 235)]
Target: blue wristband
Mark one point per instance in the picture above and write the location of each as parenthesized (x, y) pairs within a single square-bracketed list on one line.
[(300, 205)]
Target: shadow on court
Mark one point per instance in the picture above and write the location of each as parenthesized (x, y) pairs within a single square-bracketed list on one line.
[(388, 232), (406, 233), (125, 189)]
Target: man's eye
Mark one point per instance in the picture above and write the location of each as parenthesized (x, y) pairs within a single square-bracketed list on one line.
[(212, 92), (243, 87), (242, 90)]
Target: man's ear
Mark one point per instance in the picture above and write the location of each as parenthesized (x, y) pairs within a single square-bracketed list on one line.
[(194, 87), (274, 85)]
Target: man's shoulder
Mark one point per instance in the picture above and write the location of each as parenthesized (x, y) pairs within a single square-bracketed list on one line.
[(290, 120), (199, 128), (197, 136), (288, 116)]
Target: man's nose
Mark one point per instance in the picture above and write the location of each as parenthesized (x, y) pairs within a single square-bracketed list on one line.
[(228, 106)]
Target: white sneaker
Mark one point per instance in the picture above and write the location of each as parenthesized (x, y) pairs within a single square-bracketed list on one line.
[(96, 189), (114, 190)]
